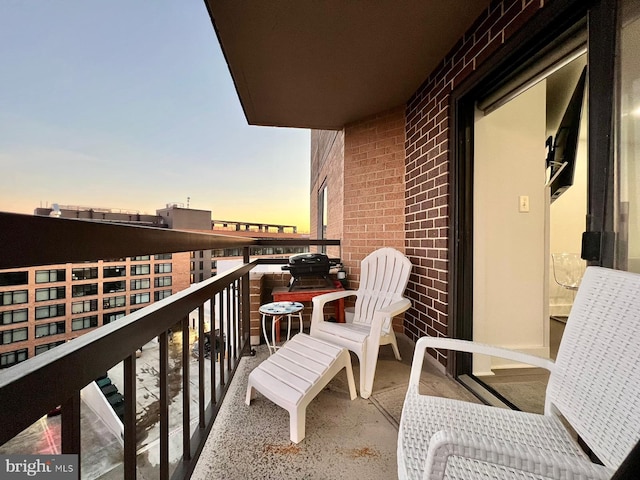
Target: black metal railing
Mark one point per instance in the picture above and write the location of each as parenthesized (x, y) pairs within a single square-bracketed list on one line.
[(75, 364)]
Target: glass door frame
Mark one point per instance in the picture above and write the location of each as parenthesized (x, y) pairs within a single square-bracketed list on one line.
[(556, 20)]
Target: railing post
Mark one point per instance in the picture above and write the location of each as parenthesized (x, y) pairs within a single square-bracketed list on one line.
[(222, 337), (164, 406), (246, 307), (201, 362), (186, 392), (214, 349), (71, 427), (130, 417)]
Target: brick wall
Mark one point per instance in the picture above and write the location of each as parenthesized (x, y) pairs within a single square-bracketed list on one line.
[(373, 189), (327, 166), (261, 286), (181, 273), (428, 135), (180, 280), (255, 300)]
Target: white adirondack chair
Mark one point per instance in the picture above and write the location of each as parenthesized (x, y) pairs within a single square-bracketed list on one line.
[(594, 384), (384, 275)]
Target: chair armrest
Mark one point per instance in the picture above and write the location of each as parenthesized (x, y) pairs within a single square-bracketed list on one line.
[(382, 317), (445, 447), (393, 309), (319, 301), (471, 347)]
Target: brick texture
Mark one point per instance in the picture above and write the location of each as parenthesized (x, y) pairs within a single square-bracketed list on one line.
[(373, 189), (262, 284), (427, 177), (327, 165)]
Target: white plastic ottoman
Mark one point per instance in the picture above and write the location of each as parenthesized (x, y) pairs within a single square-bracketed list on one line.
[(296, 373)]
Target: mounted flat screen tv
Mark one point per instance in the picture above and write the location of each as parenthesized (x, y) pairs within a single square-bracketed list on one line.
[(561, 154)]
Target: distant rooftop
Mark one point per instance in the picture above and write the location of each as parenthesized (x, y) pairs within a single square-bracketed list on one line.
[(189, 219)]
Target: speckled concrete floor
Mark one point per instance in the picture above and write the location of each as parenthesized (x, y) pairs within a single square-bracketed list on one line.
[(344, 439)]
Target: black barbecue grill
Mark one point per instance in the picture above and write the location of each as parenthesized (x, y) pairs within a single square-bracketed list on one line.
[(310, 265)]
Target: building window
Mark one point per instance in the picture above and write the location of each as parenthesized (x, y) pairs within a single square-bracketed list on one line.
[(50, 311), (162, 282), (15, 335), (47, 346), (48, 329), (201, 254), (192, 254), (163, 256), (162, 268), (113, 287), (141, 258), (14, 298), (50, 276), (114, 302), (138, 298), (52, 293), (201, 276), (117, 271), (83, 323), (14, 316), (111, 317), (9, 279), (214, 265), (11, 358), (87, 273), (201, 265), (192, 266), (140, 269), (84, 290), (140, 284), (85, 306), (159, 295), (230, 252)]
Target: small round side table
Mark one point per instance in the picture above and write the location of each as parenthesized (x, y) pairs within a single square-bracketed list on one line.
[(276, 311)]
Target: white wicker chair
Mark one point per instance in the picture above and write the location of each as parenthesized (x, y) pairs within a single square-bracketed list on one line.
[(594, 384), (384, 275)]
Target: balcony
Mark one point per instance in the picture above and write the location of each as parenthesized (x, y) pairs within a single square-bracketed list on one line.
[(172, 392)]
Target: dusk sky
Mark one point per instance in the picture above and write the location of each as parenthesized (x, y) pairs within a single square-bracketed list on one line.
[(129, 104)]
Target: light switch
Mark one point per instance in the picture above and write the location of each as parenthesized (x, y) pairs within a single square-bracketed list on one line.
[(523, 204)]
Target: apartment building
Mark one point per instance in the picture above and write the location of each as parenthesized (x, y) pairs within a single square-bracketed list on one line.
[(43, 307)]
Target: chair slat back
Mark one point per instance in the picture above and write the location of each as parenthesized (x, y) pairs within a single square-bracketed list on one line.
[(384, 275), (596, 382)]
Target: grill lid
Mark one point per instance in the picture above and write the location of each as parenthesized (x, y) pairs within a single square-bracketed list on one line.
[(309, 259)]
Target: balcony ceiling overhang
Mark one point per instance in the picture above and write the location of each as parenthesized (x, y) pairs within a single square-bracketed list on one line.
[(324, 64)]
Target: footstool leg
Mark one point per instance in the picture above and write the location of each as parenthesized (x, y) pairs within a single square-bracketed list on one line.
[(251, 394), (297, 421)]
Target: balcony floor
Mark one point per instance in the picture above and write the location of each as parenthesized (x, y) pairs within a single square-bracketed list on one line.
[(344, 438)]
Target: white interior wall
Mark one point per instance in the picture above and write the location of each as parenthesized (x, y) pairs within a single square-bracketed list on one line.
[(510, 247)]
